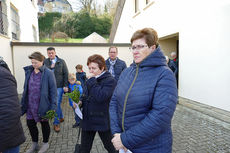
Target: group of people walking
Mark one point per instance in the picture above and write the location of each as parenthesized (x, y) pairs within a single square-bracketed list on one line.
[(130, 108)]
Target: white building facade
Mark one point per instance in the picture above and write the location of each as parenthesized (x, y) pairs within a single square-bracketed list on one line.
[(199, 31), (18, 22)]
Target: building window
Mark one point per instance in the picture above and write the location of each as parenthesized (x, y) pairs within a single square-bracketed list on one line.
[(15, 27), (34, 33), (136, 6), (3, 18)]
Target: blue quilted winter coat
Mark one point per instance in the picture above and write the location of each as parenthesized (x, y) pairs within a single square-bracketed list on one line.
[(143, 104)]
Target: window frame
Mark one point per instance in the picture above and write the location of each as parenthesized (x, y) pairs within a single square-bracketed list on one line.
[(15, 22), (136, 6), (147, 2), (3, 18)]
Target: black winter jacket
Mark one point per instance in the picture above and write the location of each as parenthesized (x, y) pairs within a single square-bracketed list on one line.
[(11, 132), (60, 71), (95, 102)]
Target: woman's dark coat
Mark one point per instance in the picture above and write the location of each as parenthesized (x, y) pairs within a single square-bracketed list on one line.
[(48, 97), (95, 102), (11, 132)]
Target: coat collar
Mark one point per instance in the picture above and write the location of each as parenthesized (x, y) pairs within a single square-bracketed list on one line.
[(30, 68), (105, 75), (58, 59)]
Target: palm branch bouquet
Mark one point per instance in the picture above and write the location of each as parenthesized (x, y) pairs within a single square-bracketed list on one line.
[(50, 115), (74, 95)]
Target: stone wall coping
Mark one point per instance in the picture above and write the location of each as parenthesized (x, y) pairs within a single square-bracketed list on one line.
[(70, 44)]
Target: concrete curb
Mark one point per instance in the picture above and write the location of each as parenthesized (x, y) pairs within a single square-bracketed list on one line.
[(217, 113)]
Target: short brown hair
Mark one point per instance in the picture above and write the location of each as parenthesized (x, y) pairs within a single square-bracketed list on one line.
[(79, 66), (113, 47), (149, 34), (37, 56), (97, 59), (50, 48)]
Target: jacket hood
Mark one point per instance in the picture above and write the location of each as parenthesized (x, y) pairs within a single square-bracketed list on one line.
[(3, 64), (156, 58)]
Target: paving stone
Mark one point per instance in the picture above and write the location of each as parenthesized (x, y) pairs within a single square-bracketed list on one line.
[(193, 132)]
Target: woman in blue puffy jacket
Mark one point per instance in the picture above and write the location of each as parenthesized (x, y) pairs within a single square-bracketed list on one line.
[(144, 101)]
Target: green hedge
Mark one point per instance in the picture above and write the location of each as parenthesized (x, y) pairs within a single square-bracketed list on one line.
[(75, 25)]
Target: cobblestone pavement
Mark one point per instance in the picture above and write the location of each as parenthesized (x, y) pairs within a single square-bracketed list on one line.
[(193, 132)]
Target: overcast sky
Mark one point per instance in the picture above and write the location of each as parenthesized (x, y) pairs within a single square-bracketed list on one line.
[(74, 4)]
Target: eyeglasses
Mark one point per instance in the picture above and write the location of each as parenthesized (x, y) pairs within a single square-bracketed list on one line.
[(137, 47)]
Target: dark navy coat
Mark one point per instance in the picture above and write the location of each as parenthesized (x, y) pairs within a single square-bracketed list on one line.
[(173, 65), (48, 97), (119, 66), (82, 78), (143, 105), (95, 101)]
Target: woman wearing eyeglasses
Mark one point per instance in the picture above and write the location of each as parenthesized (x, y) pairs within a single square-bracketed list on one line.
[(144, 101)]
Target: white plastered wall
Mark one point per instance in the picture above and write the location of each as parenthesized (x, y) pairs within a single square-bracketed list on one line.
[(28, 17), (5, 51), (204, 48), (72, 56), (27, 11)]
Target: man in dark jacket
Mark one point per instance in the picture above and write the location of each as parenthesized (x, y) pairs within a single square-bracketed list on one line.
[(173, 64), (58, 66), (114, 65), (11, 132)]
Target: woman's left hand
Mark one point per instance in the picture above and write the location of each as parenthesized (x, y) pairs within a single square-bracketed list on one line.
[(117, 142), (74, 105)]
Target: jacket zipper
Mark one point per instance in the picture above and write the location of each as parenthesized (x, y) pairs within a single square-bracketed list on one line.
[(126, 98)]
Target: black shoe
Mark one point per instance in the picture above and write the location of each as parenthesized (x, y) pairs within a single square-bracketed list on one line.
[(75, 125)]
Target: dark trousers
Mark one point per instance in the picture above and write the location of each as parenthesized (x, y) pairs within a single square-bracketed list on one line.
[(32, 125), (87, 141)]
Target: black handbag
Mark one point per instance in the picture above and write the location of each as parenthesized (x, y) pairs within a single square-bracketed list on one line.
[(78, 144)]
